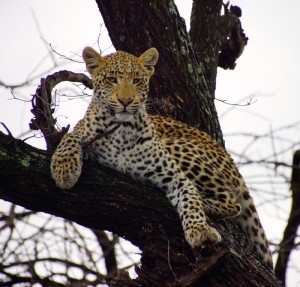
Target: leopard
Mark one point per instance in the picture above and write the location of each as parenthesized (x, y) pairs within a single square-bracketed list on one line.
[(197, 174)]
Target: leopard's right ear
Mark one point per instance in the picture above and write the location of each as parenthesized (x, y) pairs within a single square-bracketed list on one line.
[(148, 60), (93, 60)]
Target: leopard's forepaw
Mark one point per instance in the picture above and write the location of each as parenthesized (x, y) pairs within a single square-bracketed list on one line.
[(66, 170), (200, 235), (66, 162), (66, 180)]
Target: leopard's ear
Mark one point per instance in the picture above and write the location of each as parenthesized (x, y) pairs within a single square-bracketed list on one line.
[(93, 60), (148, 60)]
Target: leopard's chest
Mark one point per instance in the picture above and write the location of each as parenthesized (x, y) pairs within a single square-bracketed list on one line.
[(123, 150), (120, 150)]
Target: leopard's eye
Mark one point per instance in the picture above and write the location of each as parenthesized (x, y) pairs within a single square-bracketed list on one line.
[(112, 80), (136, 80)]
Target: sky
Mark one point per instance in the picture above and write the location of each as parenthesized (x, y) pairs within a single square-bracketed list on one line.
[(267, 72)]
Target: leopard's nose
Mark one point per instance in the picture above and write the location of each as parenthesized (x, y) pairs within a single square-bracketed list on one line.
[(125, 101)]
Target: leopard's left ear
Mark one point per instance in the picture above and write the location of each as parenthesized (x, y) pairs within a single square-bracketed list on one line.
[(93, 60), (148, 60)]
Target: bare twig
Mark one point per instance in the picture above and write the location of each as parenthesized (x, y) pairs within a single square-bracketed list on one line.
[(250, 99), (47, 237), (249, 102), (98, 136), (7, 129), (61, 55), (37, 24)]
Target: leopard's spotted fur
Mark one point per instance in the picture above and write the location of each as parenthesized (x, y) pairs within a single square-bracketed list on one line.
[(198, 176)]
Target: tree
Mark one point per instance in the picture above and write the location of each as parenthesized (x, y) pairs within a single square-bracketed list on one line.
[(148, 222)]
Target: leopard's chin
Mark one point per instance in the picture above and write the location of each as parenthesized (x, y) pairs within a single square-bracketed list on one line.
[(124, 117)]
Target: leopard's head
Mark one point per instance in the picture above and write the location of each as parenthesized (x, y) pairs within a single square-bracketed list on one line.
[(120, 80)]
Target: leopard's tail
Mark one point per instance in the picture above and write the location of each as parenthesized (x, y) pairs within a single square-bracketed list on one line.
[(250, 223)]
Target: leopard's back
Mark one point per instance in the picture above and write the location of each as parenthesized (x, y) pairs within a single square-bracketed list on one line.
[(192, 147)]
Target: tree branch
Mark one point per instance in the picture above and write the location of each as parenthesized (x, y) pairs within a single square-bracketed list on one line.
[(288, 241), (217, 40), (106, 200), (204, 33), (108, 248)]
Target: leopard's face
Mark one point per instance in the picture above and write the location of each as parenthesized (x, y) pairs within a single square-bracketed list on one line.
[(121, 80), (122, 85)]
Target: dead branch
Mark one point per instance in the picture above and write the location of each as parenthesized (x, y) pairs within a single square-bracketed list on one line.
[(42, 107), (233, 38), (108, 248)]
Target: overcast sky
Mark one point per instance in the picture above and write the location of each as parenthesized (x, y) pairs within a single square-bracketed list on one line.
[(266, 72)]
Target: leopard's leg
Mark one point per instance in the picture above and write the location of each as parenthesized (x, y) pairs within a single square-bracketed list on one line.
[(219, 209), (66, 162), (190, 208), (162, 170), (218, 202)]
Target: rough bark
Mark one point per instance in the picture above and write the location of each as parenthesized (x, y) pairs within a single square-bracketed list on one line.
[(205, 36), (106, 200)]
